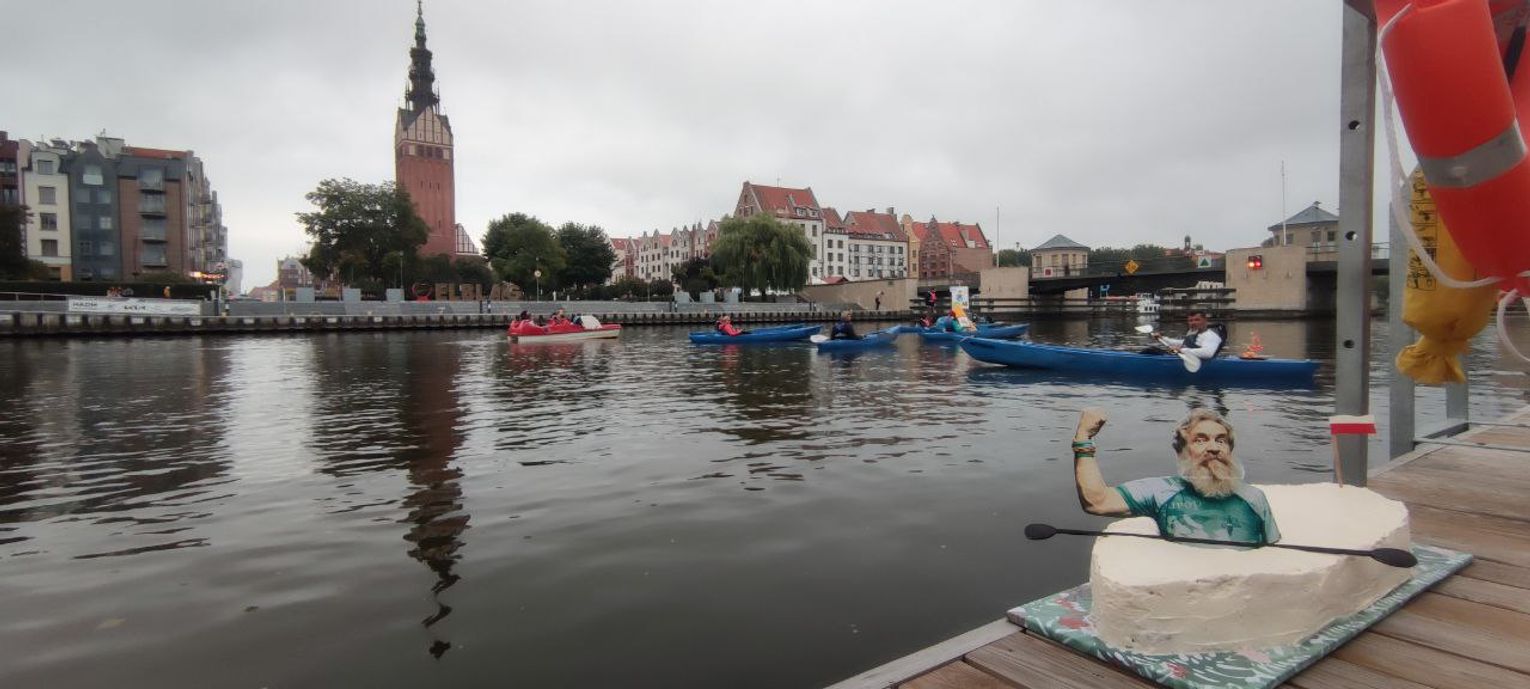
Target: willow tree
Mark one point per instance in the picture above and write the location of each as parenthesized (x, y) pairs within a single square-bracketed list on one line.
[(760, 253)]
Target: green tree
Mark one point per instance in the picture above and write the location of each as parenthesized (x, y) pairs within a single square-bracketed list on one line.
[(760, 253), (589, 255), (661, 288), (1009, 258), (517, 245), (361, 232), (473, 270), (630, 288), (696, 276), (13, 255)]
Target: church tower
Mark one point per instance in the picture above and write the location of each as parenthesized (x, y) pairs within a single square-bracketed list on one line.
[(422, 150)]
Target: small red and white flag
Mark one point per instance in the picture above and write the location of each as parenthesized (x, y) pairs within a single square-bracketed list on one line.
[(1352, 425)]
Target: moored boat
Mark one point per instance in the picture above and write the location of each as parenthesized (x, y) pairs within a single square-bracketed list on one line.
[(781, 334), (588, 328), (881, 338), (1023, 354)]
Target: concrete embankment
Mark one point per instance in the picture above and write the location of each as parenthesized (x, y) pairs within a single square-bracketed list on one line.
[(32, 323)]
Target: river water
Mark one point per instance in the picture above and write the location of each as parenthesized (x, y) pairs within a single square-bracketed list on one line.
[(404, 509)]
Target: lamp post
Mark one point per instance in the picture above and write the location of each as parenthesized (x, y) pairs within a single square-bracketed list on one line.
[(538, 275)]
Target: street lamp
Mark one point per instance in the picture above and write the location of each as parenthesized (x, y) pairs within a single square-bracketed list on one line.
[(538, 275)]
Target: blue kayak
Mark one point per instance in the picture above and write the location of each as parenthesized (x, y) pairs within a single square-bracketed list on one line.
[(785, 334), (1110, 362), (883, 338), (997, 332)]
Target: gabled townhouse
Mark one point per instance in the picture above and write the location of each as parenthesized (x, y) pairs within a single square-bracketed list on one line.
[(797, 207), (949, 249), (878, 245)]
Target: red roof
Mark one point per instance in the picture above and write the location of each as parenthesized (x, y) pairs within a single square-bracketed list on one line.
[(832, 221), (783, 200), (622, 243), (874, 225)]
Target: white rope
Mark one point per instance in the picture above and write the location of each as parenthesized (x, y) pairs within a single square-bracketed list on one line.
[(1503, 333)]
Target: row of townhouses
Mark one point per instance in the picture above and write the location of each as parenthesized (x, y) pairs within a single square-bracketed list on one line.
[(858, 245), (103, 210)]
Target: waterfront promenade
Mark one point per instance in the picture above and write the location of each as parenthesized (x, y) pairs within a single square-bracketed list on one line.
[(1471, 630)]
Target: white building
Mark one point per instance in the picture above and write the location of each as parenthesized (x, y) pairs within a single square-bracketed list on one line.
[(45, 191), (878, 245), (234, 282)]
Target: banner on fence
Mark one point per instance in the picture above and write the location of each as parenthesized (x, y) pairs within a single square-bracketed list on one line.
[(137, 307)]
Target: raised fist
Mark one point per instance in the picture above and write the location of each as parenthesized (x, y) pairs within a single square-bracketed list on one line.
[(1089, 423)]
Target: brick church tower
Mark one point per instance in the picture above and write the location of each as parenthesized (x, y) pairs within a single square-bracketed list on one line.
[(422, 150)]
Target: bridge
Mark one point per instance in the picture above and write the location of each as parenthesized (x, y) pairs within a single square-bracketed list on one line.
[(1322, 265)]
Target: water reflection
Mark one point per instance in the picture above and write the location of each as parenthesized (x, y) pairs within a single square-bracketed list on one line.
[(402, 416), (144, 460)]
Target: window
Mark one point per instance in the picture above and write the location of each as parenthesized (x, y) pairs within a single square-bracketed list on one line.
[(85, 248), (151, 203), (47, 196), (50, 247), (10, 197), (104, 222), (92, 176), (47, 222), (107, 248), (1333, 236), (108, 273), (8, 167), (1317, 237), (153, 255), (103, 196), (154, 229)]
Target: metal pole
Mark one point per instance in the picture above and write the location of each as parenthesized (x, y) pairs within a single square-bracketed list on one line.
[(1400, 418), (1357, 146)]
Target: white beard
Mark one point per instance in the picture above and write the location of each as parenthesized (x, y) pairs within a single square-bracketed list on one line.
[(1212, 479)]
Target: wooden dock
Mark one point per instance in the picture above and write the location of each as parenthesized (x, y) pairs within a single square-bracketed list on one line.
[(1470, 631)]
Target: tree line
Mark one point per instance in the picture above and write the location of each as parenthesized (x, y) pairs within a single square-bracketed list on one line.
[(368, 236)]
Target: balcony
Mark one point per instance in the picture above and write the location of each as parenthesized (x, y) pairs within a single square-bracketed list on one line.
[(153, 234), (153, 257)]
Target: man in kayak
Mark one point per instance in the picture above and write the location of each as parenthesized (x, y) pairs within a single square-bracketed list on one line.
[(1203, 340), (844, 330), (726, 327), (1207, 499)]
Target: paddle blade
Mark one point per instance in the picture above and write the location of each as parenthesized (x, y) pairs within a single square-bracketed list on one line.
[(1143, 329), (1040, 532), (818, 338), (1192, 362), (1392, 557)]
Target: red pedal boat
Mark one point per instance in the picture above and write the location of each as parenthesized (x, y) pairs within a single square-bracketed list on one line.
[(588, 328)]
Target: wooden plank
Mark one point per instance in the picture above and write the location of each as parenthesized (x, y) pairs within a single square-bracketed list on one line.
[(1486, 593), (1031, 662), (1492, 635), (1477, 463), (1421, 487), (921, 661), (1499, 435), (1504, 481), (1498, 573), (1332, 673), (1494, 538), (956, 675), (1427, 666)]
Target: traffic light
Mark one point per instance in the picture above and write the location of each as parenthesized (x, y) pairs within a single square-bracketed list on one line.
[(1255, 262)]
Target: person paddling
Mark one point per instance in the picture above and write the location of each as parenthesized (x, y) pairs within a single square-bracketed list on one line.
[(726, 327), (1204, 339), (844, 329)]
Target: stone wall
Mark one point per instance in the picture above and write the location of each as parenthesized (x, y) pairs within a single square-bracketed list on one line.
[(1006, 283), (896, 293), (1280, 284)]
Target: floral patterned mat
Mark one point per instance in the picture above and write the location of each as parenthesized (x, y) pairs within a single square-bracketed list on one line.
[(1064, 618)]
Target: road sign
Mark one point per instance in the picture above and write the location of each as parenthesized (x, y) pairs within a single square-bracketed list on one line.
[(1205, 262), (1105, 289), (1131, 267)]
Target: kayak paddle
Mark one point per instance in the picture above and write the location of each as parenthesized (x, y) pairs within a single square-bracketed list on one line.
[(1392, 557), (1192, 362)]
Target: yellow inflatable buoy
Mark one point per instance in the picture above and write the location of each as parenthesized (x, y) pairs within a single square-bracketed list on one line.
[(1446, 318)]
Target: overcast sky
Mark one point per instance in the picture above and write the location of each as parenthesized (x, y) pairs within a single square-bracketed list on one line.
[(1113, 123)]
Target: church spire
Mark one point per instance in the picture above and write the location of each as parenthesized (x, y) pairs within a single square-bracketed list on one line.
[(421, 93)]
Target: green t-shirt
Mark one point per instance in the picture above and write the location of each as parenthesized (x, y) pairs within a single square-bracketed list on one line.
[(1243, 516)]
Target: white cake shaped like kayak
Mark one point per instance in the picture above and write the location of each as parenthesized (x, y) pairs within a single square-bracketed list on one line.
[(1156, 597)]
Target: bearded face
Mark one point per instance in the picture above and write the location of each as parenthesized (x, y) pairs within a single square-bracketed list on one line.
[(1206, 460)]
